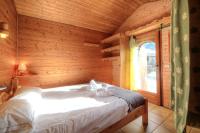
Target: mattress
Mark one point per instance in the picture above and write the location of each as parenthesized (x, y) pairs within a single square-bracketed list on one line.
[(69, 109)]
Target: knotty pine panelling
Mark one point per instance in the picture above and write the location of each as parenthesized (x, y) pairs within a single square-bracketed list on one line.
[(165, 66), (8, 46), (116, 72), (146, 14), (56, 54), (105, 16)]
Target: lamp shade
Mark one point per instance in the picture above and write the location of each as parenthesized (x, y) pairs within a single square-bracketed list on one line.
[(3, 30), (22, 67)]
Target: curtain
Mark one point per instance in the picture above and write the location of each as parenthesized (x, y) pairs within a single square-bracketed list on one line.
[(129, 64), (133, 63), (180, 62), (125, 62)]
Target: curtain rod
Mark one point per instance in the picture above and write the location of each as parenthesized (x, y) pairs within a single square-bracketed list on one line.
[(165, 26), (157, 24)]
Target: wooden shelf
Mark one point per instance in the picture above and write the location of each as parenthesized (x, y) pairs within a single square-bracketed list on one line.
[(91, 44), (111, 39), (110, 58), (110, 49)]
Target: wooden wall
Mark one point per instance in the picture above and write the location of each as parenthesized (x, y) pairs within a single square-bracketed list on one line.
[(105, 16), (116, 72), (165, 66), (146, 14), (8, 45), (56, 54)]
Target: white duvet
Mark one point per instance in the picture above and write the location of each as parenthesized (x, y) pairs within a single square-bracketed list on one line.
[(70, 109)]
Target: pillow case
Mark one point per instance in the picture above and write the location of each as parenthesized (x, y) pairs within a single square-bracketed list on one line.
[(19, 111), (15, 114)]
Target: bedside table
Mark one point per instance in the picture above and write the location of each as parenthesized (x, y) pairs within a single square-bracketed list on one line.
[(4, 95)]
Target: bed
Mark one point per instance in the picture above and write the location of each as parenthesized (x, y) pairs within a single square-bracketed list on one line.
[(71, 109)]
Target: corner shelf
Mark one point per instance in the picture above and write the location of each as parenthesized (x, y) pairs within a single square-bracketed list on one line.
[(110, 49), (90, 44), (110, 58), (111, 39)]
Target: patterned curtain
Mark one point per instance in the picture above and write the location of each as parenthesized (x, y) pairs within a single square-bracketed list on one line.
[(180, 62), (125, 62)]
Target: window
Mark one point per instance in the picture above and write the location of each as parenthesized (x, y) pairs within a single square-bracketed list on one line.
[(146, 67)]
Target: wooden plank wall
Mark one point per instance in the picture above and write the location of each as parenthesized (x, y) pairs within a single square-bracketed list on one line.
[(116, 72), (105, 16), (146, 14), (56, 54), (8, 46), (165, 64)]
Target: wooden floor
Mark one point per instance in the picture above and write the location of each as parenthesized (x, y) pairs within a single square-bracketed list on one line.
[(160, 121)]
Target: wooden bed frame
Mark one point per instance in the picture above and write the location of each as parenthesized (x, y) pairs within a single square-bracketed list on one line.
[(139, 111)]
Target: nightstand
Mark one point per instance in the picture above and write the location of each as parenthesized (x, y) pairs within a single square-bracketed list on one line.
[(15, 84)]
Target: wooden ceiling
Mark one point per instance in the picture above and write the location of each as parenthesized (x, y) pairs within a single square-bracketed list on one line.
[(100, 15)]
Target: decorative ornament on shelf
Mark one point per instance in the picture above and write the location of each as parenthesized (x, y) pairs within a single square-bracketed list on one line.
[(3, 30)]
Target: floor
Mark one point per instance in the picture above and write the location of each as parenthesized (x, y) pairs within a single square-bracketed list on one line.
[(160, 121)]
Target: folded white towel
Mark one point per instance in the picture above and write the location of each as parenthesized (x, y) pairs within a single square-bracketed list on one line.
[(100, 89)]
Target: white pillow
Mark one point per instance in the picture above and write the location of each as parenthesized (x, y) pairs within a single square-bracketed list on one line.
[(31, 96), (14, 114), (20, 109)]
